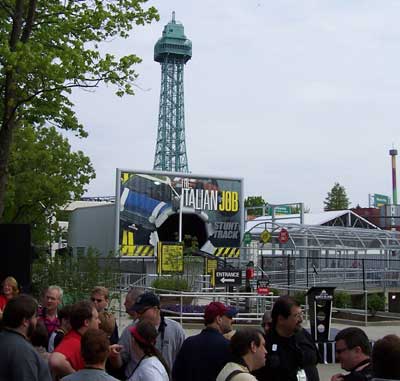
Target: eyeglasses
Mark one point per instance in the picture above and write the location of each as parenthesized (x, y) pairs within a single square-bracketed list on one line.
[(96, 300), (298, 315)]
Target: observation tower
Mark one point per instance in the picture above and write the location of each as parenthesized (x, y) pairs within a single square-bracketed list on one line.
[(172, 51)]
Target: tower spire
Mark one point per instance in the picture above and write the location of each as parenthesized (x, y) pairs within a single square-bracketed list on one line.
[(172, 51)]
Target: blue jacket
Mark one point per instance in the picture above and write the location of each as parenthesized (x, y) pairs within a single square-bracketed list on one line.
[(201, 357)]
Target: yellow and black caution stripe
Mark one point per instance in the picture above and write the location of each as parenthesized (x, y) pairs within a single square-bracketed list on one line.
[(142, 251), (227, 252), (128, 248)]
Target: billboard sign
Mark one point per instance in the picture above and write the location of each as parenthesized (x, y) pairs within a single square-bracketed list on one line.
[(380, 200), (152, 205)]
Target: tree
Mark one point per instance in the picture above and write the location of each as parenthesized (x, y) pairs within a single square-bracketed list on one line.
[(252, 201), (44, 174), (337, 198), (47, 48)]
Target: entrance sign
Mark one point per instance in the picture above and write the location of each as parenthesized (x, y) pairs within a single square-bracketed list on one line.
[(228, 277)]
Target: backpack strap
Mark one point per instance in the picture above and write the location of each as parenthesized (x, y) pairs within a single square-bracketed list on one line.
[(233, 374)]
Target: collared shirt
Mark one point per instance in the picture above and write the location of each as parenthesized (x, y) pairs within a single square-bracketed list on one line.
[(50, 324)]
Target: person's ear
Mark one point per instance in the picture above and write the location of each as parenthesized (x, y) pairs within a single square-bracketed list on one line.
[(253, 347), (358, 349)]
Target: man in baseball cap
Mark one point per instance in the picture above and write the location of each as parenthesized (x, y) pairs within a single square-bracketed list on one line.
[(204, 355), (145, 302), (170, 333)]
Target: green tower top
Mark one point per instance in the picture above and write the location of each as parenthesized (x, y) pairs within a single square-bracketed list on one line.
[(173, 43)]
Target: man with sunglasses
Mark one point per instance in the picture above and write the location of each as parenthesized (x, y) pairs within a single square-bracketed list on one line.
[(353, 351), (292, 354), (170, 333)]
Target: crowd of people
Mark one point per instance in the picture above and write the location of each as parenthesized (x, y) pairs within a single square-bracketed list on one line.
[(81, 342)]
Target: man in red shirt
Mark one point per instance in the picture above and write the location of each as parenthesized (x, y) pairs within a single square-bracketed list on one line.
[(67, 357)]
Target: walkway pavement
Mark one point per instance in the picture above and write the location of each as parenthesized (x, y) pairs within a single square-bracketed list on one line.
[(325, 370)]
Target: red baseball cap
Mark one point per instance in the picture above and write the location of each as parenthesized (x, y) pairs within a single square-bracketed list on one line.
[(213, 310)]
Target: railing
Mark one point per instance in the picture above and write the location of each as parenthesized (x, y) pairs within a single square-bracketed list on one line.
[(251, 307)]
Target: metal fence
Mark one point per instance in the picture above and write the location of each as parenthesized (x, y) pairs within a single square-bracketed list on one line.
[(343, 272)]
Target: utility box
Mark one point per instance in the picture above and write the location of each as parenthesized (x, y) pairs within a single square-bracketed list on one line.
[(320, 300), (394, 302)]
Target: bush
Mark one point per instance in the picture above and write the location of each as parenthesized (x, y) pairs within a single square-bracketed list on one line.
[(342, 299), (172, 283), (300, 297), (375, 303)]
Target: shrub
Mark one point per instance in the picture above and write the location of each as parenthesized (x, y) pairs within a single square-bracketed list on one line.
[(342, 299), (375, 303), (300, 297), (172, 283)]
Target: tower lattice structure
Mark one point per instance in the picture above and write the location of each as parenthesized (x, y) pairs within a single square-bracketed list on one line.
[(172, 51)]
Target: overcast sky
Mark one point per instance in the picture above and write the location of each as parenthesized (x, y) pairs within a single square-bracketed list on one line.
[(293, 96)]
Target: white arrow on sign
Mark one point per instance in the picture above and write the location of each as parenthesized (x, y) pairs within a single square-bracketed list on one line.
[(227, 280)]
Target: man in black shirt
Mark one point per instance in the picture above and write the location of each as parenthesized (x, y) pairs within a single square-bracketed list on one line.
[(292, 354), (353, 351), (202, 356)]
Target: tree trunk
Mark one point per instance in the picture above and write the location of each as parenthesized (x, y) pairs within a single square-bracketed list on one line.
[(9, 106), (6, 133)]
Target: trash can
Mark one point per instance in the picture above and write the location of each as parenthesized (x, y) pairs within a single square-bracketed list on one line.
[(320, 300)]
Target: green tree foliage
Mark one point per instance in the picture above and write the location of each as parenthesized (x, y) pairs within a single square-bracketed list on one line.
[(47, 48), (337, 198), (44, 174), (76, 275), (252, 201)]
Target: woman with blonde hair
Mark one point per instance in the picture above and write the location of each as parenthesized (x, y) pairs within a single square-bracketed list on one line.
[(9, 289)]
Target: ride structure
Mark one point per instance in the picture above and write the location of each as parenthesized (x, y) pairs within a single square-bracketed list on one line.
[(172, 51)]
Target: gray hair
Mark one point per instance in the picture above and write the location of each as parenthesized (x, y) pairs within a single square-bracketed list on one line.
[(57, 288), (135, 292)]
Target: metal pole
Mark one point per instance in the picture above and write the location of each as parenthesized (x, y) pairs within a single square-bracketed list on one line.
[(366, 307), (180, 215), (288, 273), (307, 271), (363, 274)]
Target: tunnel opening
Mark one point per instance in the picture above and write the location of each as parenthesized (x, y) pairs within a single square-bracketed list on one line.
[(192, 225)]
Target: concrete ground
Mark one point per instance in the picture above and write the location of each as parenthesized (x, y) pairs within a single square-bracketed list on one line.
[(325, 370)]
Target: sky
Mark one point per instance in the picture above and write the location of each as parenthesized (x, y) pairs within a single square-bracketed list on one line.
[(290, 95)]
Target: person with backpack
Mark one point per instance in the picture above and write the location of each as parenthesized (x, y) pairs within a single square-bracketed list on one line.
[(248, 350)]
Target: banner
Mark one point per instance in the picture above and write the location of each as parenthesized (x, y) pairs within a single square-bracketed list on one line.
[(150, 206)]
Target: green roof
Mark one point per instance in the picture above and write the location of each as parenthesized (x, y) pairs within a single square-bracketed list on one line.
[(173, 43)]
